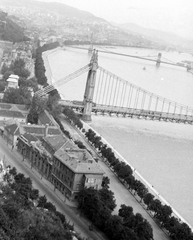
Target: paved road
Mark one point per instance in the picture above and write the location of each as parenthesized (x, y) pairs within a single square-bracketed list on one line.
[(45, 188), (122, 195)]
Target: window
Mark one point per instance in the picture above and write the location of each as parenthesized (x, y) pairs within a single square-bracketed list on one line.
[(90, 180)]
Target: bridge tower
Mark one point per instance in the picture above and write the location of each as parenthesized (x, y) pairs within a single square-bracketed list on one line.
[(158, 59), (90, 85), (90, 49)]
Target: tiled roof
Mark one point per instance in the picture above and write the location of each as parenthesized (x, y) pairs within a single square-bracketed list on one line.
[(13, 129), (11, 114), (14, 107), (54, 131), (77, 161), (5, 106), (33, 129), (29, 137), (56, 142), (39, 130), (46, 118)]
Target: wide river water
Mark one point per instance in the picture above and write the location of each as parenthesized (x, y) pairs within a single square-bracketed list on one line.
[(161, 152)]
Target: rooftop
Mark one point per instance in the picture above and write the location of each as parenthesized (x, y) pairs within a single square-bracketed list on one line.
[(38, 145), (13, 129), (11, 114), (46, 118), (79, 161), (56, 142)]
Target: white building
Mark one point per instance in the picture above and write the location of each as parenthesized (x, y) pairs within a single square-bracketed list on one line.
[(12, 81)]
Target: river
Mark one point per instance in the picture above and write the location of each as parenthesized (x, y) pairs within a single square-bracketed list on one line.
[(161, 152)]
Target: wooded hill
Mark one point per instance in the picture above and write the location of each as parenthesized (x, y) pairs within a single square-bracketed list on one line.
[(10, 31)]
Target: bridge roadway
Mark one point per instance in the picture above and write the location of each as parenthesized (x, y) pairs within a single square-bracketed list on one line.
[(130, 112)]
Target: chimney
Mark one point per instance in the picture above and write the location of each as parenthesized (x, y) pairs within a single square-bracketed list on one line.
[(46, 130)]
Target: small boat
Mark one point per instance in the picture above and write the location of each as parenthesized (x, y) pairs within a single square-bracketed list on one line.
[(144, 68)]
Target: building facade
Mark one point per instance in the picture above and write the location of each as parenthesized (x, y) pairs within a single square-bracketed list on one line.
[(73, 170), (67, 167)]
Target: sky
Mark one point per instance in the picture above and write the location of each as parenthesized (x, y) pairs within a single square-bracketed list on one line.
[(167, 15)]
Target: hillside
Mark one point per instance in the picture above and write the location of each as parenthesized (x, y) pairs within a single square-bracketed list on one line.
[(156, 35), (59, 20), (59, 8), (10, 31)]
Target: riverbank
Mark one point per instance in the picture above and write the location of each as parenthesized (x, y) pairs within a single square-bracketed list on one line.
[(160, 151), (163, 159), (122, 195)]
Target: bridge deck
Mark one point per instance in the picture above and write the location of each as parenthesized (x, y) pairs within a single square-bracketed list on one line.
[(131, 112)]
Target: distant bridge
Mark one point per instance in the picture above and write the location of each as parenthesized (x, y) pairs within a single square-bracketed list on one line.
[(106, 93)]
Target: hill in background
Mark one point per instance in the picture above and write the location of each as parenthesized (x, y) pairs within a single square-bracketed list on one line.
[(156, 35), (10, 31)]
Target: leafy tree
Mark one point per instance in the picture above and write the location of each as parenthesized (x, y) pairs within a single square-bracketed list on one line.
[(108, 198), (155, 206), (17, 96), (2, 86), (101, 218), (34, 194), (42, 201), (13, 171), (148, 198), (105, 182), (4, 69), (125, 212), (31, 82), (164, 214), (38, 105), (143, 229), (7, 74), (141, 189), (114, 227)]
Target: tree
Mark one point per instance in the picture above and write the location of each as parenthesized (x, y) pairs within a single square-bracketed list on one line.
[(38, 105), (42, 201), (107, 197), (28, 83), (143, 229), (2, 86), (164, 214), (17, 96), (105, 182), (148, 198), (155, 206), (7, 74), (125, 212), (13, 171), (141, 189), (89, 202), (114, 227), (34, 195)]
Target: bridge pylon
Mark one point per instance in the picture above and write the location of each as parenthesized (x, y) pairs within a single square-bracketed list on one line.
[(90, 85), (158, 59)]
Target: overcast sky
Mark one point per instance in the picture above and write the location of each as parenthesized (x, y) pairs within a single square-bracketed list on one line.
[(168, 15)]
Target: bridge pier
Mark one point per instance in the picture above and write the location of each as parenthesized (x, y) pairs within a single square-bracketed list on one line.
[(90, 85), (158, 60)]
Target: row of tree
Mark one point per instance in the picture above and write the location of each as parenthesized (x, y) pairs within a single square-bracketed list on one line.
[(39, 62), (98, 206), (26, 215), (72, 116), (163, 214)]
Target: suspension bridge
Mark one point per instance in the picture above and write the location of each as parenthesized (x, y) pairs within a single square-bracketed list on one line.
[(106, 93)]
